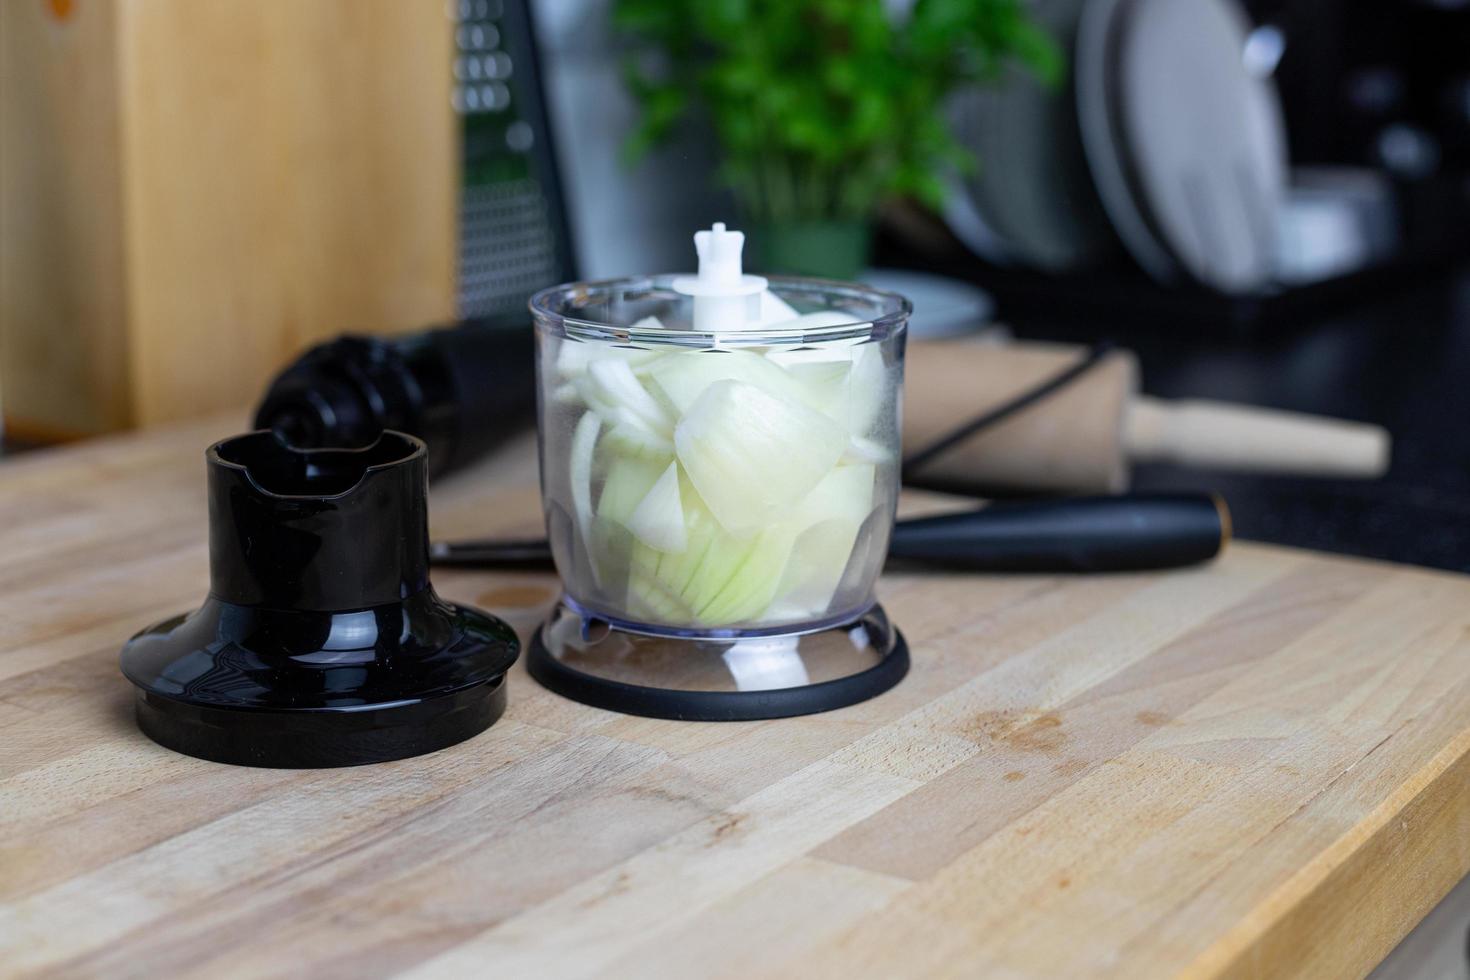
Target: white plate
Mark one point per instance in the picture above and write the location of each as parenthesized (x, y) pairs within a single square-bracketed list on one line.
[(1097, 34), (1204, 137), (1031, 185)]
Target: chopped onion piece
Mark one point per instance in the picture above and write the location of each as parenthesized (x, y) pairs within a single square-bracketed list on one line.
[(574, 356), (718, 579), (750, 453), (658, 520), (866, 389), (627, 482), (750, 590), (827, 522), (584, 442), (614, 387), (649, 601), (681, 378), (824, 385), (639, 422), (863, 450), (630, 437)]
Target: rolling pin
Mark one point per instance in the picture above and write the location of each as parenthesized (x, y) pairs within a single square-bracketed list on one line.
[(1085, 436)]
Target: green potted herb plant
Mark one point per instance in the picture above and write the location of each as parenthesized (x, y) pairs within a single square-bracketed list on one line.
[(822, 109)]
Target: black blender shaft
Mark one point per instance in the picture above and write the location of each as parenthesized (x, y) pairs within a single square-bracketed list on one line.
[(1093, 534), (461, 389)]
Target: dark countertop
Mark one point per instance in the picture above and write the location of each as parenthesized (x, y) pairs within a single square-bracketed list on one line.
[(1401, 360)]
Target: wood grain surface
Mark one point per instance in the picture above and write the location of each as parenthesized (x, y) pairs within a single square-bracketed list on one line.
[(195, 190), (1258, 769)]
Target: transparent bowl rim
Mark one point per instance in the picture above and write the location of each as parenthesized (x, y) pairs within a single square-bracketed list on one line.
[(897, 310)]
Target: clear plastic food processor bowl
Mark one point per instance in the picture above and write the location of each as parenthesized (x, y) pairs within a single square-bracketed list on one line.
[(714, 496)]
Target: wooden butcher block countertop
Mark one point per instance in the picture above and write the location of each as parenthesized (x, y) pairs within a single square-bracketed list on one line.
[(1256, 768)]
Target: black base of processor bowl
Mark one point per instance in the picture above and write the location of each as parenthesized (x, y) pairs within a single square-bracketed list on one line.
[(716, 678), (321, 641)]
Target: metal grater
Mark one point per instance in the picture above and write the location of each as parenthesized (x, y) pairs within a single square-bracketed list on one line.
[(513, 236)]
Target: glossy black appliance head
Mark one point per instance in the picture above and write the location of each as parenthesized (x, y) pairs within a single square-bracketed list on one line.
[(321, 642), (461, 389)]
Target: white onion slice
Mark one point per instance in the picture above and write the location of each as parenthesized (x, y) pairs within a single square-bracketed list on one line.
[(627, 482), (584, 442), (863, 450), (681, 378), (658, 520), (574, 356), (613, 387), (828, 521), (718, 579), (630, 437), (751, 453)]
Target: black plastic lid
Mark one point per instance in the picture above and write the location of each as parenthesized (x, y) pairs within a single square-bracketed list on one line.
[(321, 642)]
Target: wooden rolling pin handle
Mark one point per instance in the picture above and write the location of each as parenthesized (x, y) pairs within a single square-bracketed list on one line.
[(1225, 436)]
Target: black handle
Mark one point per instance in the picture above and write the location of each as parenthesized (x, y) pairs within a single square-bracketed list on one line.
[(494, 553), (1089, 534), (1092, 534)]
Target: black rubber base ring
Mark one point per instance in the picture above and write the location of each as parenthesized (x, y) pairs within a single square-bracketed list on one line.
[(656, 702), (320, 739)]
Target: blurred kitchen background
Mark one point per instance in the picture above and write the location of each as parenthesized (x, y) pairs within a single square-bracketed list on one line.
[(1265, 202)]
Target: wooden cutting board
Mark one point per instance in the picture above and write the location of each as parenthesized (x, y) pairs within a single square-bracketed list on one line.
[(1257, 768)]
